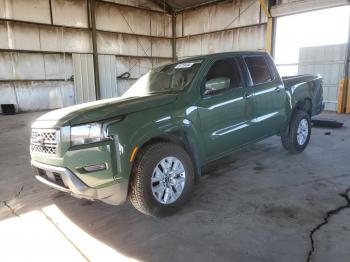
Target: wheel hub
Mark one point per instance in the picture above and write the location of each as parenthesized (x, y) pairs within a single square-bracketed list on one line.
[(302, 132), (168, 180)]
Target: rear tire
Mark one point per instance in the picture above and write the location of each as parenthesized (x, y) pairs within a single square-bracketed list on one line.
[(158, 187), (299, 132)]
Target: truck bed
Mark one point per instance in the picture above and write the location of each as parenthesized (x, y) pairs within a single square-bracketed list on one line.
[(289, 81), (306, 86)]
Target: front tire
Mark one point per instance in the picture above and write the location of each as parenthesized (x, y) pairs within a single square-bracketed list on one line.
[(299, 132), (162, 179)]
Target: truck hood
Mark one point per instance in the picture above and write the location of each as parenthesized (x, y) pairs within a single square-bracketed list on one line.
[(101, 110)]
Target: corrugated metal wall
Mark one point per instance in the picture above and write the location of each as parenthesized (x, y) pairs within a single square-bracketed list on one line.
[(108, 76), (84, 80), (327, 61), (233, 26), (37, 95), (38, 43), (37, 46)]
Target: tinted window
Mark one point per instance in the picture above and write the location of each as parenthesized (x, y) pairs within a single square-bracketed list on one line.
[(226, 68), (258, 68)]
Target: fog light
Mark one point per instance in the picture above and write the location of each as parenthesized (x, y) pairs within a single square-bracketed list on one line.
[(95, 168)]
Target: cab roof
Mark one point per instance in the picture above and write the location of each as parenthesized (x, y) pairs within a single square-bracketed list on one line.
[(223, 54)]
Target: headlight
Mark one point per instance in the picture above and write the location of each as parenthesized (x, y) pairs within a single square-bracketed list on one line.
[(88, 133)]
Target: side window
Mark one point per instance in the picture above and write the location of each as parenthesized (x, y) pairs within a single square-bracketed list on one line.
[(258, 68), (227, 68)]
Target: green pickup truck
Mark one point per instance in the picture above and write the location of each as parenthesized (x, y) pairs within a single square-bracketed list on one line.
[(150, 144)]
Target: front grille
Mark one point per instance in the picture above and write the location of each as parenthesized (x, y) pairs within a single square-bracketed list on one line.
[(44, 141)]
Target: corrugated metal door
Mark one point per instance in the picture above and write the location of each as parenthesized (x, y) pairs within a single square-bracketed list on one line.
[(84, 80), (107, 66), (327, 61)]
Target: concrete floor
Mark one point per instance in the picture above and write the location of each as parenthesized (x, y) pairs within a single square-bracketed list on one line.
[(260, 204)]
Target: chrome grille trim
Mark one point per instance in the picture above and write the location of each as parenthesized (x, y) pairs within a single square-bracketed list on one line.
[(44, 141)]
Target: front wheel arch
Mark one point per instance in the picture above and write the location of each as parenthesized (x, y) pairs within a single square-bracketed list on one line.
[(179, 138), (141, 193)]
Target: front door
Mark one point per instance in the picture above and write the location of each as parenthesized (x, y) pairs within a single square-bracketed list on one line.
[(225, 114)]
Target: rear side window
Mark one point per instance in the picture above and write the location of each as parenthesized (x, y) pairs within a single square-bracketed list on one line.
[(259, 69), (226, 68)]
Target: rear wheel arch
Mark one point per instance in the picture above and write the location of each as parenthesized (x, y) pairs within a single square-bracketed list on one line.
[(303, 105)]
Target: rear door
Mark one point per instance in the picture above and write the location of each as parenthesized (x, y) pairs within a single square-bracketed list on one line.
[(225, 115), (269, 96)]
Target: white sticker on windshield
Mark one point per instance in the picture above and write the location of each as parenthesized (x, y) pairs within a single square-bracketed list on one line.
[(184, 65)]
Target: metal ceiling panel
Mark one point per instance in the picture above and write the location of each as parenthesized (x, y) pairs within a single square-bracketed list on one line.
[(179, 5), (147, 4)]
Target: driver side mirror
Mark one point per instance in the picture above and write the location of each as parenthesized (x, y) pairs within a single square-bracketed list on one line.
[(216, 84)]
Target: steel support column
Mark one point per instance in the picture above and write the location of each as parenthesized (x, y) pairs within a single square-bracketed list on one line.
[(270, 30), (173, 41), (92, 16), (346, 74), (343, 105)]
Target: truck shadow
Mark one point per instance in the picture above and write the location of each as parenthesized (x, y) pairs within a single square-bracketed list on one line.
[(213, 217)]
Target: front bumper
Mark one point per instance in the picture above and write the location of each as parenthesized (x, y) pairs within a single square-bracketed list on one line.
[(63, 179)]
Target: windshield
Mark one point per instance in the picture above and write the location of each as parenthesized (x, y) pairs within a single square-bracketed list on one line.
[(169, 78)]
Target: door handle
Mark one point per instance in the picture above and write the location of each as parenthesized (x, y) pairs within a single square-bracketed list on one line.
[(277, 89), (247, 96)]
